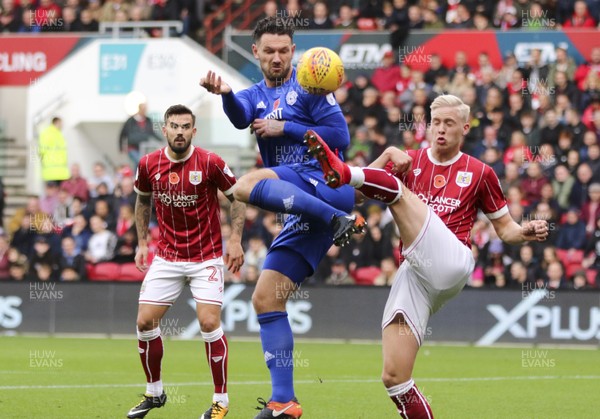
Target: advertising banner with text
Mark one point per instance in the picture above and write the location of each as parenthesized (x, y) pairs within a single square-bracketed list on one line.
[(482, 317), (362, 52), (23, 59)]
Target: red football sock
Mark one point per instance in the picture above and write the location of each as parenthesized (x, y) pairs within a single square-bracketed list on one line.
[(412, 404), (151, 353), (217, 353), (380, 185)]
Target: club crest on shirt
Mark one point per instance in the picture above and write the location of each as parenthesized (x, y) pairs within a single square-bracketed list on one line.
[(464, 179), (195, 177), (331, 99), (439, 181), (173, 178), (291, 97), (417, 172), (157, 176)]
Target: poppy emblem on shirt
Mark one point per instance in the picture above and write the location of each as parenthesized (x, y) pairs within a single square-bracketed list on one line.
[(195, 177), (276, 104), (439, 181), (464, 179), (173, 178)]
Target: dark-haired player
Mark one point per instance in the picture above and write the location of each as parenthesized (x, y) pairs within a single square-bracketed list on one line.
[(183, 182), (280, 112)]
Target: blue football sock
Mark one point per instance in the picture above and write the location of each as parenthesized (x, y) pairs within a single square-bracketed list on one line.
[(278, 347), (281, 196)]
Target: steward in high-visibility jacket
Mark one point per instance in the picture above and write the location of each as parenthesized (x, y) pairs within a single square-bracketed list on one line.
[(53, 153)]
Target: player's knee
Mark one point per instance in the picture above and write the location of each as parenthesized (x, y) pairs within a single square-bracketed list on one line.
[(258, 303), (243, 188), (265, 303), (209, 324), (392, 378), (144, 324)]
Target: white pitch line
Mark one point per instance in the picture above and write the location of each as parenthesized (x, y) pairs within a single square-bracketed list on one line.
[(316, 381)]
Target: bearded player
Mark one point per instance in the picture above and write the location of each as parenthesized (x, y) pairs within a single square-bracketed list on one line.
[(434, 195), (183, 181), (280, 111)]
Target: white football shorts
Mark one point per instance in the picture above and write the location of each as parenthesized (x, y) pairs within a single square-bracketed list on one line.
[(436, 268), (165, 281)]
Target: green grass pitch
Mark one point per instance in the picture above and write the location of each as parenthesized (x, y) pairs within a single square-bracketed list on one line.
[(102, 378)]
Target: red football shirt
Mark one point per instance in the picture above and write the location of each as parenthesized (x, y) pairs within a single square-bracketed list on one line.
[(456, 190), (187, 206)]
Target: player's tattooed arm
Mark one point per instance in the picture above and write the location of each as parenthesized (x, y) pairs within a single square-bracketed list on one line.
[(234, 256), (143, 207), (266, 128), (238, 216)]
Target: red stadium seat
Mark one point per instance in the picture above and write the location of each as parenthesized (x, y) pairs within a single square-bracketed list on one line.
[(366, 275), (591, 276), (104, 271), (572, 261), (366, 24), (129, 272)]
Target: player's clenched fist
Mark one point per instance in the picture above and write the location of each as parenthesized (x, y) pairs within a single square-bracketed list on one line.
[(402, 161), (535, 230), (214, 84)]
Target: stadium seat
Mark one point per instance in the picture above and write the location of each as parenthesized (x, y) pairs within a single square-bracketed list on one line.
[(366, 275), (104, 271), (571, 261), (129, 272), (366, 24), (591, 275)]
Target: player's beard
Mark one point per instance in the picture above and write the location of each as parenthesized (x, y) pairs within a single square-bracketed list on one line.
[(280, 77), (180, 149)]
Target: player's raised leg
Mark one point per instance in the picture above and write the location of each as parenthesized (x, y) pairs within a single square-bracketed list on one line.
[(150, 347), (264, 189), (408, 210), (400, 347), (373, 183), (217, 354)]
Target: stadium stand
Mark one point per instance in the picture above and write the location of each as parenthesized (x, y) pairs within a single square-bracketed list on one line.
[(537, 124)]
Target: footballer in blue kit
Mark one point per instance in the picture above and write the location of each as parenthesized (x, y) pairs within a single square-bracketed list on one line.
[(283, 116)]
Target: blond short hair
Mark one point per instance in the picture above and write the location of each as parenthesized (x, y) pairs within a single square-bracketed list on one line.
[(444, 101)]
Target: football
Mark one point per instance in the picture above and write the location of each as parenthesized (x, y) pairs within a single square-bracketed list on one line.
[(320, 71)]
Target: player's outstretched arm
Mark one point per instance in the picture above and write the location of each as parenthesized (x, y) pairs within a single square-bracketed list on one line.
[(238, 110), (143, 207), (234, 254), (512, 233), (214, 84)]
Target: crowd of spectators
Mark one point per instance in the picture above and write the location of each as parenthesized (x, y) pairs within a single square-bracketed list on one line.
[(396, 16), (540, 133), (536, 123), (33, 16)]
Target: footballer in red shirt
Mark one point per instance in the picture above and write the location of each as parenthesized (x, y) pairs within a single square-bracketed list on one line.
[(434, 195), (182, 181)]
